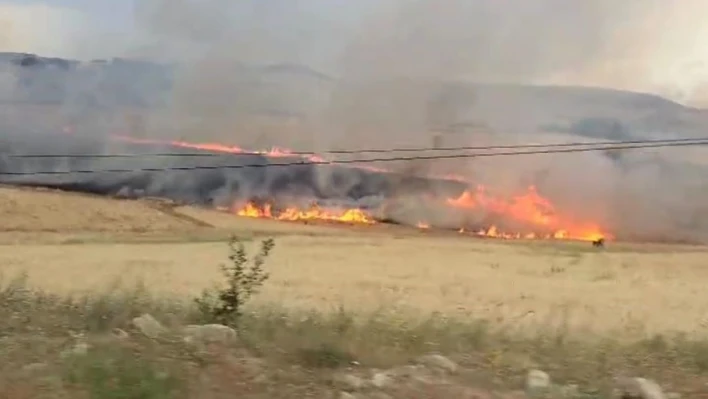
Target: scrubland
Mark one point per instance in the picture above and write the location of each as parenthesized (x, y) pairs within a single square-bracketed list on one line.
[(364, 312)]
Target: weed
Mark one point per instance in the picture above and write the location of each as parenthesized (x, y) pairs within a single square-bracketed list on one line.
[(244, 277), (115, 373)]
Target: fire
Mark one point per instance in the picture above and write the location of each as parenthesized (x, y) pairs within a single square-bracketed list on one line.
[(528, 209), (274, 152), (252, 211), (350, 216)]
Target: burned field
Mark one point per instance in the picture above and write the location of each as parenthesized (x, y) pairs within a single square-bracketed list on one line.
[(518, 285), (278, 185), (196, 176)]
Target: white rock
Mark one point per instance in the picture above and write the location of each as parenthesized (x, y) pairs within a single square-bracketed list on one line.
[(638, 388), (148, 326), (210, 333), (438, 361), (346, 395), (537, 381), (381, 380)]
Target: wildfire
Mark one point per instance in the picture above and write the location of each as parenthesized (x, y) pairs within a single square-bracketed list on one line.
[(529, 209), (274, 152), (350, 216)]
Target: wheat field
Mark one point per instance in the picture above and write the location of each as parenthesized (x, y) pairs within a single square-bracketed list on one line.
[(69, 243)]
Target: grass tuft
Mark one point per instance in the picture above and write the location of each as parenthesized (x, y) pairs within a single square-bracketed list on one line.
[(116, 373)]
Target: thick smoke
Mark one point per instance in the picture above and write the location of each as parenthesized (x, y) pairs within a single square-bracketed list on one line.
[(650, 46), (315, 74), (412, 50)]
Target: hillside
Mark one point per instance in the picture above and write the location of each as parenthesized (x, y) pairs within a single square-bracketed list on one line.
[(290, 101)]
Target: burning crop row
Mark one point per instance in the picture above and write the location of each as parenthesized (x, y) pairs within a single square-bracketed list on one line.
[(529, 209), (294, 214), (526, 215)]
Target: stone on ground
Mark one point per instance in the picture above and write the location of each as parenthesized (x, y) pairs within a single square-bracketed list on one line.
[(638, 388), (149, 326), (210, 333), (439, 362), (537, 382)]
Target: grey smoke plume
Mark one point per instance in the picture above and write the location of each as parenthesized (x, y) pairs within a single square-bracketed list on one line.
[(397, 73), (412, 47)]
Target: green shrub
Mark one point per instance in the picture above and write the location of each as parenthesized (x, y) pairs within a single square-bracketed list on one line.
[(244, 276), (114, 373)]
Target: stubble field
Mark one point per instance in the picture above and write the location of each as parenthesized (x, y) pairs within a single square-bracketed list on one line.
[(70, 244)]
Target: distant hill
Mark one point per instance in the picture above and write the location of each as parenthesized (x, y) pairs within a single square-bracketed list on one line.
[(513, 108), (292, 90)]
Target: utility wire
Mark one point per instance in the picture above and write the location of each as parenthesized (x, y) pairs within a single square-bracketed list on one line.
[(368, 160), (361, 151)]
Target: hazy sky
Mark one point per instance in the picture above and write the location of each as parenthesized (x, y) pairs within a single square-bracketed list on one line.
[(103, 28), (647, 45)]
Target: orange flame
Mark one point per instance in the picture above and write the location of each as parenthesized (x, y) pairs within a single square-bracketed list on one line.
[(351, 216), (531, 209), (252, 211)]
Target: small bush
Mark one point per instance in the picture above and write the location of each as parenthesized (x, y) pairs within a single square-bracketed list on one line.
[(112, 373), (244, 277)]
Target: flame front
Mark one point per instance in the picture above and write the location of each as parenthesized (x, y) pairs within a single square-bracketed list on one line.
[(274, 152), (293, 214), (529, 209), (252, 211)]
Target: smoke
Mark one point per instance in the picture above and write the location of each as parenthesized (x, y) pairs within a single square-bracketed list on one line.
[(650, 46), (395, 71), (399, 74)]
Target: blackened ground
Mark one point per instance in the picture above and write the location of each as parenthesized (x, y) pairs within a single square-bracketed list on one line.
[(212, 180)]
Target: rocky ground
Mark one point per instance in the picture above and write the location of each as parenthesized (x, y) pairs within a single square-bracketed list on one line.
[(153, 359)]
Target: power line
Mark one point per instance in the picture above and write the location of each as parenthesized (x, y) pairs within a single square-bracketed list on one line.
[(360, 161), (360, 151)]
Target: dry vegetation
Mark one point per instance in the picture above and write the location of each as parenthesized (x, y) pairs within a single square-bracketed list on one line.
[(339, 305)]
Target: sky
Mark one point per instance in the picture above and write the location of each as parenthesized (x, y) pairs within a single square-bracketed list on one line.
[(70, 28), (644, 45), (105, 28)]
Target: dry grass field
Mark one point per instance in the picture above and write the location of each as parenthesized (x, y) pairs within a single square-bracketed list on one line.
[(69, 244)]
